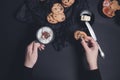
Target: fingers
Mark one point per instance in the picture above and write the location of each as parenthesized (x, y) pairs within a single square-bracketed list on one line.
[(84, 44), (38, 46), (35, 47), (91, 43), (94, 43), (30, 47), (88, 38), (41, 47)]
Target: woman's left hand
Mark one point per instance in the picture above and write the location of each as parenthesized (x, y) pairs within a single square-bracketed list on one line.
[(32, 54)]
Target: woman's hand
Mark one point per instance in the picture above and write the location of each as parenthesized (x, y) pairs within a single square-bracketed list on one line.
[(32, 53), (91, 52)]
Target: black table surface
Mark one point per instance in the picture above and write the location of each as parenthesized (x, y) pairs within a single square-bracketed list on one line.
[(15, 36)]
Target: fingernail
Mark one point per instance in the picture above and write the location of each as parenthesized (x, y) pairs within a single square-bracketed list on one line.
[(43, 45), (43, 48)]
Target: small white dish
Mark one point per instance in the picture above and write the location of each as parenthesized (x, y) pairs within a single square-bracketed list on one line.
[(45, 35)]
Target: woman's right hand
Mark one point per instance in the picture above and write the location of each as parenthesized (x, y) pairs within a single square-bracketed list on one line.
[(91, 52), (32, 54)]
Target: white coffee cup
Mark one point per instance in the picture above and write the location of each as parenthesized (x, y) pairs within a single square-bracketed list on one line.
[(45, 35)]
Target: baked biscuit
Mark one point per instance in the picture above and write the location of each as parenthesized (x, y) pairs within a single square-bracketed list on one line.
[(59, 17), (57, 8), (67, 3), (50, 19), (115, 5), (80, 34), (108, 12)]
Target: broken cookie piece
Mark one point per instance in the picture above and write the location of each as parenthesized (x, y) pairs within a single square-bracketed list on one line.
[(80, 34)]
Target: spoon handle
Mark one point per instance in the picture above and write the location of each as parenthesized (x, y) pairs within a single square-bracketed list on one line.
[(94, 37)]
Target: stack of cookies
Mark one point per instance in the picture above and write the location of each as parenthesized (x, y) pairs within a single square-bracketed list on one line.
[(57, 15)]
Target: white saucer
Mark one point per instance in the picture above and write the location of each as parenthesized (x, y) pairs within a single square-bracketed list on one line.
[(41, 37)]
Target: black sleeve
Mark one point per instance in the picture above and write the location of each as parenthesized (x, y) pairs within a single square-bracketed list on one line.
[(28, 73), (93, 75)]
